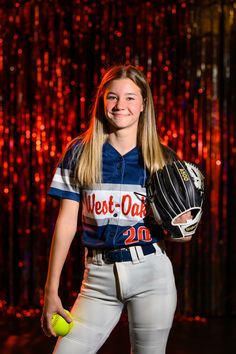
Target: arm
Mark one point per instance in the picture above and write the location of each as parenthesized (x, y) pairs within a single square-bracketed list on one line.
[(64, 233)]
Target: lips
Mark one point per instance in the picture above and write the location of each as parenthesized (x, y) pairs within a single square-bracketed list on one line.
[(119, 114)]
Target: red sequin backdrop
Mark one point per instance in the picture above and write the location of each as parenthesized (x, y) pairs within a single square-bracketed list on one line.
[(52, 55)]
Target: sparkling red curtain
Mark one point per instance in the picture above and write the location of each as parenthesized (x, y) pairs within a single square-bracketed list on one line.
[(52, 55)]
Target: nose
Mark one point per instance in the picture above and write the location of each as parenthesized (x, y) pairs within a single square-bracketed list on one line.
[(119, 104)]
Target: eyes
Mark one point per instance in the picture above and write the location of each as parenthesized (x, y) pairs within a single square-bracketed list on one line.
[(114, 98)]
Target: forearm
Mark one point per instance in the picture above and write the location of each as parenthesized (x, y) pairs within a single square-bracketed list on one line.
[(64, 233), (61, 242)]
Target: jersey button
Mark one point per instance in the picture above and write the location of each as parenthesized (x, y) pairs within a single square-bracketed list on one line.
[(115, 215)]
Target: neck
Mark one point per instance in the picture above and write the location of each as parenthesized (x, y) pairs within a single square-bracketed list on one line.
[(122, 142)]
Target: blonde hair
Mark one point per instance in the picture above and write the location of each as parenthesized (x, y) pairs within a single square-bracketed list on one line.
[(88, 154)]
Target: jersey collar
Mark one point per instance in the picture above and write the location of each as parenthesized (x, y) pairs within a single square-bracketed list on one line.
[(110, 151)]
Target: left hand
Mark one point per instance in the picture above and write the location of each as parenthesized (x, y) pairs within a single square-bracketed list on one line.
[(183, 218), (180, 220)]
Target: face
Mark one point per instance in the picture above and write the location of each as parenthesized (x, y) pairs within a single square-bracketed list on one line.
[(123, 104)]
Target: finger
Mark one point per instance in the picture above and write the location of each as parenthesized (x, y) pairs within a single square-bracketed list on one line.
[(44, 327), (66, 315), (50, 329), (46, 332)]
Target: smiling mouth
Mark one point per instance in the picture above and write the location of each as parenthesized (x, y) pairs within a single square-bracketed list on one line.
[(119, 114)]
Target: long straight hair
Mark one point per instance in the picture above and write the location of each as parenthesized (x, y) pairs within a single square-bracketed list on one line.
[(88, 152)]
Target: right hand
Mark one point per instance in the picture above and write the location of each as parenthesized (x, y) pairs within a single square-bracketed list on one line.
[(52, 305)]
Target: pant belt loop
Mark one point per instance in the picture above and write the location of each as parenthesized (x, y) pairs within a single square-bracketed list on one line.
[(157, 248), (97, 257), (133, 254), (100, 258), (140, 254)]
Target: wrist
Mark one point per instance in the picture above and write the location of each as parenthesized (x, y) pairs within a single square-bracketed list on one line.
[(51, 289)]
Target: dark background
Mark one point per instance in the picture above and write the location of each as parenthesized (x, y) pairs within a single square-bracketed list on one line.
[(52, 56)]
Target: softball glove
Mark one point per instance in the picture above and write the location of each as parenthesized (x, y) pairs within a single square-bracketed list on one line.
[(174, 190)]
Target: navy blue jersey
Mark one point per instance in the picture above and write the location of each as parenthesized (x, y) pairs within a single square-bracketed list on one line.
[(114, 213)]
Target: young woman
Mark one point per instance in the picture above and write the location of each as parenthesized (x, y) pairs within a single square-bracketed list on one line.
[(104, 172)]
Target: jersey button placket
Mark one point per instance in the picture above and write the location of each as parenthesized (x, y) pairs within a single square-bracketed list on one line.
[(117, 212)]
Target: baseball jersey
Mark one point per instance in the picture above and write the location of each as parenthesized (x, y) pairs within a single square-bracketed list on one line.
[(114, 213)]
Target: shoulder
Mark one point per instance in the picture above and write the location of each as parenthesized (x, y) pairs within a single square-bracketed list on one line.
[(169, 154), (71, 153)]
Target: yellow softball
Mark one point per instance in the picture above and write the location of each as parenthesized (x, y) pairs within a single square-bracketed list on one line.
[(60, 326)]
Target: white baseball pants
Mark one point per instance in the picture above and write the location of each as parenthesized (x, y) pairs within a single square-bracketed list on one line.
[(146, 286)]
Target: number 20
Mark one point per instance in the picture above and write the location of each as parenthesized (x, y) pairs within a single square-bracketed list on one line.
[(134, 236)]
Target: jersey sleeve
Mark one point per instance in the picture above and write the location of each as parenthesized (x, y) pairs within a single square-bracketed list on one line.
[(63, 185)]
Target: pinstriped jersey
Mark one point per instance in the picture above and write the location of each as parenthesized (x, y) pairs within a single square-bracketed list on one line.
[(114, 213)]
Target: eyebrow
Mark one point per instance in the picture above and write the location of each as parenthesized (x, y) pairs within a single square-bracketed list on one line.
[(128, 93)]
